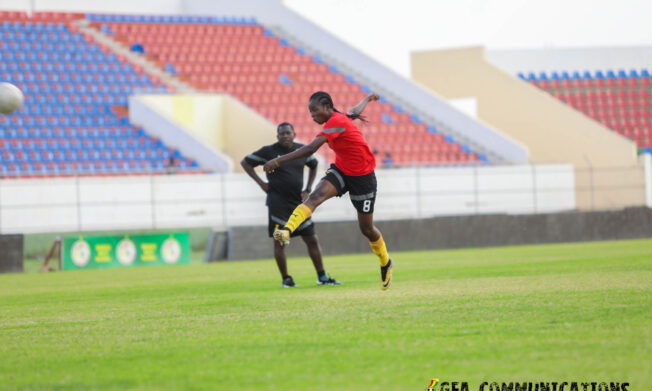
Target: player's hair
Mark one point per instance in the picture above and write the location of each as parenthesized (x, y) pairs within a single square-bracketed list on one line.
[(284, 124), (323, 98)]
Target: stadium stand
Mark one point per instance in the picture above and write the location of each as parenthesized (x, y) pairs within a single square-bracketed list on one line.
[(243, 58), (75, 91), (619, 100)]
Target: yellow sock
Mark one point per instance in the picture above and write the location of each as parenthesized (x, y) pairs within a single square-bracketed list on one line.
[(380, 249), (300, 214)]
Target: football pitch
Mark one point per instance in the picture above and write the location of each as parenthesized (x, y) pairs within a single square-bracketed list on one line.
[(553, 313)]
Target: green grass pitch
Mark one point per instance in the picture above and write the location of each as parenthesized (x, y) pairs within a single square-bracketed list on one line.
[(568, 312)]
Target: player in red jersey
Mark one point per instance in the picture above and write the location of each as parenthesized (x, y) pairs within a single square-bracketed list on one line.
[(353, 171)]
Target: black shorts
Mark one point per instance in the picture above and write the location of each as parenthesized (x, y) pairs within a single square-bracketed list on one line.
[(279, 215), (362, 189)]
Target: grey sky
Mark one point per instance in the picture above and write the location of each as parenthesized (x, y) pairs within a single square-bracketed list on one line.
[(388, 30)]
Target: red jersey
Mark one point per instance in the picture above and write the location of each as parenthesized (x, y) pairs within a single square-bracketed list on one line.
[(352, 154)]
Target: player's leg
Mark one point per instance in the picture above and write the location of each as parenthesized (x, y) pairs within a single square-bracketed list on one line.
[(314, 250), (363, 196), (324, 190), (281, 262), (275, 208), (377, 243)]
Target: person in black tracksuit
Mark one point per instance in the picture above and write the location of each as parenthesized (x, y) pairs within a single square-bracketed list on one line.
[(284, 188)]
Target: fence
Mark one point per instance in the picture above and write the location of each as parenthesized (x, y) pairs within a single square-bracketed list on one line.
[(95, 203), (612, 187)]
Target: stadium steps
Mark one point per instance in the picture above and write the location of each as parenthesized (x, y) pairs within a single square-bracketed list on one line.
[(620, 101), (175, 84), (73, 86), (440, 127), (151, 64), (147, 65), (177, 43)]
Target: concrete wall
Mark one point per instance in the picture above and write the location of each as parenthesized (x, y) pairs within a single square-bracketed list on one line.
[(611, 187), (213, 128), (175, 121), (552, 131), (11, 253), (224, 200), (244, 130), (457, 232), (200, 114)]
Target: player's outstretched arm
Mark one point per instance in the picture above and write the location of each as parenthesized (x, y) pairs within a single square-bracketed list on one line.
[(304, 151), (249, 169), (359, 108)]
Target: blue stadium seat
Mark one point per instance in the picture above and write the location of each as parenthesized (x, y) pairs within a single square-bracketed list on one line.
[(62, 76), (386, 118)]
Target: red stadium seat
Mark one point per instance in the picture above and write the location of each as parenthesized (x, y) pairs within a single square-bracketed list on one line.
[(619, 103)]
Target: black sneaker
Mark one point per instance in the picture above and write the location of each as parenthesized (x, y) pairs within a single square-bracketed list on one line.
[(288, 282), (327, 280), (386, 275)]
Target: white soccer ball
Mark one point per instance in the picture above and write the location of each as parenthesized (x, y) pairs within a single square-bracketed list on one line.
[(11, 98)]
